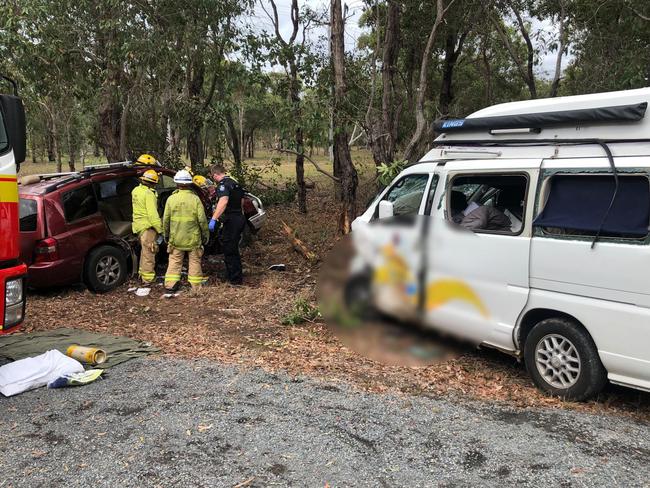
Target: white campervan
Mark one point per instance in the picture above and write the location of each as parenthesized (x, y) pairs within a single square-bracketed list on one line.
[(525, 229)]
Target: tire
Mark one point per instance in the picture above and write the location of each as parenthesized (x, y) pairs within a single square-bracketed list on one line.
[(105, 269), (358, 298), (563, 361)]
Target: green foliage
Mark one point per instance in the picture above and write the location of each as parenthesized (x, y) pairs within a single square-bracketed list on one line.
[(263, 181), (387, 172), (302, 312), (277, 196), (163, 71)]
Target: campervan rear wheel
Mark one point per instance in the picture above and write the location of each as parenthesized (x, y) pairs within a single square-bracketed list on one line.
[(563, 360)]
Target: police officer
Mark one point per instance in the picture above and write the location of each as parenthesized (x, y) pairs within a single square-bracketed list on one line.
[(229, 212)]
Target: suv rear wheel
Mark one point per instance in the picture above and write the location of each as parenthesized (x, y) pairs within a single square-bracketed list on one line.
[(105, 269), (563, 360)]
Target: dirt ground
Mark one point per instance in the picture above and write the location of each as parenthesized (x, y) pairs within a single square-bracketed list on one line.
[(243, 325)]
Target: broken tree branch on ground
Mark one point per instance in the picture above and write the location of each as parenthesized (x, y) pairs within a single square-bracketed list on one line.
[(298, 245)]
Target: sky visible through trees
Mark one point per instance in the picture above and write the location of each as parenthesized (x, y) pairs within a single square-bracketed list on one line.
[(200, 81)]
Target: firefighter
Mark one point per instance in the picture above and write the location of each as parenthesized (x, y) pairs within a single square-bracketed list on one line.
[(206, 185), (146, 160), (146, 224), (229, 212), (185, 229), (200, 181)]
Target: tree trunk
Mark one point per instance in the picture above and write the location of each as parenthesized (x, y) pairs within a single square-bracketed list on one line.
[(195, 145), (242, 143), (251, 144), (71, 149), (560, 51), (59, 164), (110, 116), (123, 128), (32, 145), (300, 172), (348, 174), (530, 55), (411, 151), (299, 141), (453, 49), (194, 80), (51, 141), (233, 142), (55, 145), (488, 76), (388, 71)]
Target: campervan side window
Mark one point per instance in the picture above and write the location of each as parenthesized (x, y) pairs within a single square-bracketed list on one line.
[(488, 203), (579, 205)]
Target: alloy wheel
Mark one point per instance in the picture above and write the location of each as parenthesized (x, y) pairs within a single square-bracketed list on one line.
[(108, 270), (557, 361)]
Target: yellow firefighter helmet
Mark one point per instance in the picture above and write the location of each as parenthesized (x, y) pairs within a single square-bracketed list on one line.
[(149, 176), (200, 181), (147, 160)]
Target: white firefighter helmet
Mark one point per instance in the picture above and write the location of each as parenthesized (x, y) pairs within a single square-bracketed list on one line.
[(183, 177)]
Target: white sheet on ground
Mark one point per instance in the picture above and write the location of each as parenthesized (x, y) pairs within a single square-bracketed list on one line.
[(29, 373)]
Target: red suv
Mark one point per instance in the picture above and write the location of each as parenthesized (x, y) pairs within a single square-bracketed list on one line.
[(76, 227)]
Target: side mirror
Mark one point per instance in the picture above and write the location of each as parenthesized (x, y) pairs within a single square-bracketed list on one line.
[(14, 118), (385, 209)]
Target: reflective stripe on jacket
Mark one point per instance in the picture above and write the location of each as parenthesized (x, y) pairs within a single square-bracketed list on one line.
[(145, 209), (184, 222)]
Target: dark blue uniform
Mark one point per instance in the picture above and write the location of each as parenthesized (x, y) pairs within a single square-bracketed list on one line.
[(233, 222)]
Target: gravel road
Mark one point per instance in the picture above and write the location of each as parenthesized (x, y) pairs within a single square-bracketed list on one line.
[(168, 422)]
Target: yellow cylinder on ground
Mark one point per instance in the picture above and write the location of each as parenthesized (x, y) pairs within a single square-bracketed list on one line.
[(90, 355)]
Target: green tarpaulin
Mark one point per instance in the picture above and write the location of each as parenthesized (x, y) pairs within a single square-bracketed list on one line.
[(118, 349)]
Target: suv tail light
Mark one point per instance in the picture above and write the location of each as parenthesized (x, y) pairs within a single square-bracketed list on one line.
[(248, 206), (46, 250)]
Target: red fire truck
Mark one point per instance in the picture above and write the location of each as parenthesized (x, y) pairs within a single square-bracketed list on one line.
[(12, 153)]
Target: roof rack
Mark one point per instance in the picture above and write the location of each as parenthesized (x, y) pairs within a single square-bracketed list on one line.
[(535, 122), (616, 116), (96, 167)]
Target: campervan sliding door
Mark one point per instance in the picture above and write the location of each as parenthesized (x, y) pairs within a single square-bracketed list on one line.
[(604, 285), (478, 250)]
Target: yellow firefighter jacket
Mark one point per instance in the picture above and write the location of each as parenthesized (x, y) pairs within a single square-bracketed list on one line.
[(145, 209), (185, 225)]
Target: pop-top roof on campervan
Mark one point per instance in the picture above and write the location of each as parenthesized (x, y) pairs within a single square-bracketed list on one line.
[(579, 124), (614, 117)]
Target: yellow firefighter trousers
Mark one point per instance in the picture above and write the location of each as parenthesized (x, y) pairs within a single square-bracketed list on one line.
[(148, 255), (194, 272)]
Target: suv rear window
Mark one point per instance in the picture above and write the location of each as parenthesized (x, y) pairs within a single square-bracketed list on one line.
[(79, 203), (27, 212)]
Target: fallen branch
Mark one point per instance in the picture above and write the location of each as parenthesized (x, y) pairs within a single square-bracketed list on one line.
[(318, 168), (298, 245)]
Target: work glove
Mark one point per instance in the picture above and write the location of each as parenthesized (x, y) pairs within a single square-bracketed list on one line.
[(212, 225)]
